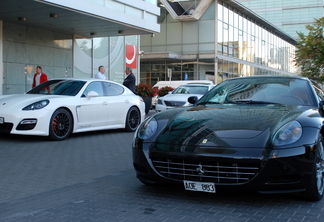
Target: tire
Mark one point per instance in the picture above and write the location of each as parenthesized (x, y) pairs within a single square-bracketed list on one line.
[(315, 188), (133, 119), (60, 126)]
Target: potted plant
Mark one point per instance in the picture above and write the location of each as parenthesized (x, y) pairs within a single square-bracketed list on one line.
[(165, 90), (146, 91)]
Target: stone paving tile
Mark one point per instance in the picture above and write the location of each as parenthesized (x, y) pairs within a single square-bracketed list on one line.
[(126, 202)]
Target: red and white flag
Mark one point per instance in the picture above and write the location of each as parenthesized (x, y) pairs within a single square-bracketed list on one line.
[(131, 56)]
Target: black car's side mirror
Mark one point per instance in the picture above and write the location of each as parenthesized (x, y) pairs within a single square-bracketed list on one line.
[(321, 108), (192, 99)]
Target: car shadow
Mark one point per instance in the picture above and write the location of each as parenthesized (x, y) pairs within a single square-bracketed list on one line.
[(31, 138), (247, 197), (22, 138)]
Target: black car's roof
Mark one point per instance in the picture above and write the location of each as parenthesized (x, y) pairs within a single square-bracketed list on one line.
[(272, 77)]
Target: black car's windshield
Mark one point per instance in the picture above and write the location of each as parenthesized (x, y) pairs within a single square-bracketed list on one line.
[(275, 90), (58, 87)]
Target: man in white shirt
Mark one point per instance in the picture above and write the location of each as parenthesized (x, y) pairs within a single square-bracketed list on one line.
[(100, 74)]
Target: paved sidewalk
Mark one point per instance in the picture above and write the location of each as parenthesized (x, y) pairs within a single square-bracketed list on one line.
[(121, 197)]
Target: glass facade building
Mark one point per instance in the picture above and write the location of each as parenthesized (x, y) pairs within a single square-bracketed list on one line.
[(289, 16), (225, 40), (109, 52), (71, 38)]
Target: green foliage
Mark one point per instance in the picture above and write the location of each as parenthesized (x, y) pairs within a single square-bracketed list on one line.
[(310, 51)]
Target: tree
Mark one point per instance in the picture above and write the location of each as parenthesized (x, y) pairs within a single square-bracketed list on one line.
[(310, 51)]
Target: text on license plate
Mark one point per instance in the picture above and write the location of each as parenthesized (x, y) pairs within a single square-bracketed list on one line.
[(199, 186), (1, 120)]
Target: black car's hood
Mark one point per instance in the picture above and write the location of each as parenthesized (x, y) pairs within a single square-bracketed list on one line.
[(223, 126)]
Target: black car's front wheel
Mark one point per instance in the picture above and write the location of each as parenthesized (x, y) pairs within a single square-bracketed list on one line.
[(133, 119), (315, 189), (60, 126)]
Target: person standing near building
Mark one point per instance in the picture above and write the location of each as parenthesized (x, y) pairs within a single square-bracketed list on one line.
[(100, 74), (39, 77), (130, 79)]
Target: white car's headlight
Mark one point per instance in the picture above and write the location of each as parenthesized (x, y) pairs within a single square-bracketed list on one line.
[(148, 129), (37, 105), (288, 133)]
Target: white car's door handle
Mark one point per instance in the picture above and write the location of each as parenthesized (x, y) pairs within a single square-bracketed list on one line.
[(126, 101), (104, 103)]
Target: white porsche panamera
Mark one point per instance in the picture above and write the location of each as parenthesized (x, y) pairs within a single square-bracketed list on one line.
[(60, 107)]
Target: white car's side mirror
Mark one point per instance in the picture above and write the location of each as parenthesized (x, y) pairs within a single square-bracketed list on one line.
[(92, 94)]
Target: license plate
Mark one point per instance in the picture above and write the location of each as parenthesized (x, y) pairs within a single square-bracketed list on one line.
[(199, 186), (1, 120)]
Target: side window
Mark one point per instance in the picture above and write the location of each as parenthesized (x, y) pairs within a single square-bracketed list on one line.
[(94, 86), (319, 93), (318, 90), (111, 89)]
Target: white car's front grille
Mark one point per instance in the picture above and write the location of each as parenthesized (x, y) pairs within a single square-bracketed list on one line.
[(174, 103)]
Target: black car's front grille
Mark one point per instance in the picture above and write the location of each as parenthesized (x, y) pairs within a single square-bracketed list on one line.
[(174, 103), (217, 172)]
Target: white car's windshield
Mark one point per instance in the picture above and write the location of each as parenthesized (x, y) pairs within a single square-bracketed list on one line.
[(187, 89), (58, 87)]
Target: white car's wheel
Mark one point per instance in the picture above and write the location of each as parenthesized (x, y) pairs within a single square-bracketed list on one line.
[(60, 126), (133, 119)]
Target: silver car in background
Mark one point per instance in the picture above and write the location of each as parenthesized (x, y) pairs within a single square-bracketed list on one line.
[(180, 95)]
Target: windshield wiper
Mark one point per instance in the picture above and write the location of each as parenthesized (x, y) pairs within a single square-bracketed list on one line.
[(238, 102), (204, 103), (252, 102)]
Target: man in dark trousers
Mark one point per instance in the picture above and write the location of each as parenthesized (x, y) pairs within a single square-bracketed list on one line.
[(129, 82)]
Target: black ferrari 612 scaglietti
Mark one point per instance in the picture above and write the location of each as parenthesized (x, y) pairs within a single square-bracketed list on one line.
[(262, 133)]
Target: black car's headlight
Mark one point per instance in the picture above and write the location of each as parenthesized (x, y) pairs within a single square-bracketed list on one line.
[(287, 134), (37, 105), (147, 129)]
